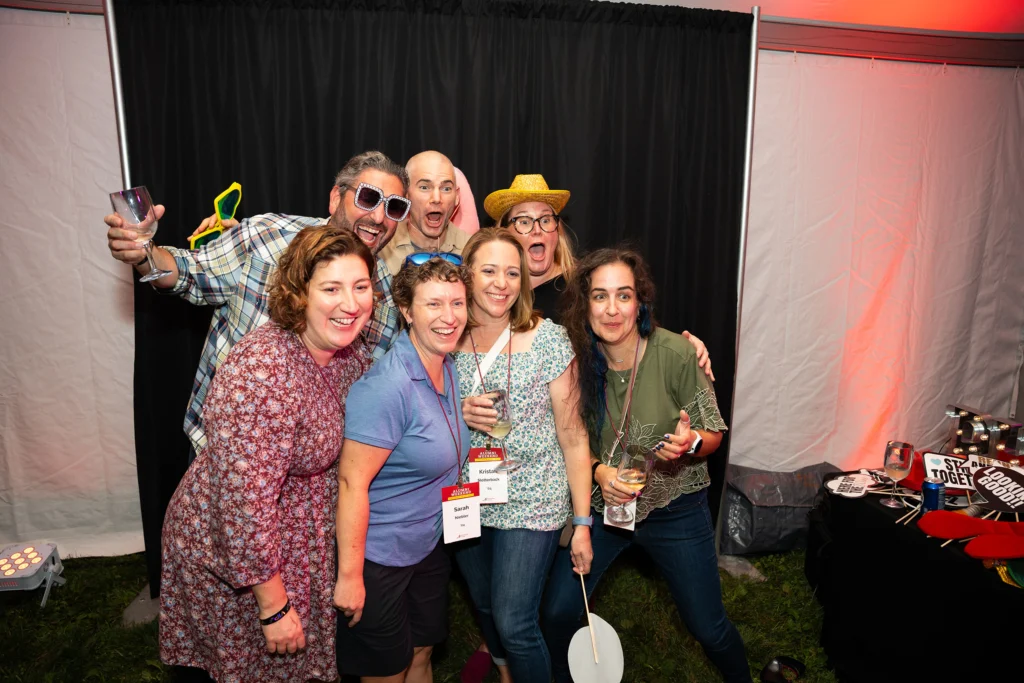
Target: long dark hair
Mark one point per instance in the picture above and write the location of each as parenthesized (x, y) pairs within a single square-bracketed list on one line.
[(591, 364)]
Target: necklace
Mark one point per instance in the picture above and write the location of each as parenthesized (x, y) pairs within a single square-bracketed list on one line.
[(618, 360)]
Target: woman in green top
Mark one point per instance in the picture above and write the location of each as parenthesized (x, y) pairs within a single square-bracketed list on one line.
[(643, 383)]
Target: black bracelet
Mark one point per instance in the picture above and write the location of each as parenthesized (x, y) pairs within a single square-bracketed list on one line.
[(593, 469), (279, 615)]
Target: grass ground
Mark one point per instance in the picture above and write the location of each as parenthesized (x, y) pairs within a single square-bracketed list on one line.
[(79, 637)]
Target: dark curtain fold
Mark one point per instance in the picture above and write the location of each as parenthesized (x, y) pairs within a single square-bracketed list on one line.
[(638, 110)]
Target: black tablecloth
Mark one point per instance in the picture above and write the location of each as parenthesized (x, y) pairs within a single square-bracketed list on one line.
[(900, 608)]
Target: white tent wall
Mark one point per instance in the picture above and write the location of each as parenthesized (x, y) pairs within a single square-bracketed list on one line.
[(884, 255), (67, 451)]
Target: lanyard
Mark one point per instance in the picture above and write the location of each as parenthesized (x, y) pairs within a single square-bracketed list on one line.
[(456, 441), (622, 435), (480, 371)]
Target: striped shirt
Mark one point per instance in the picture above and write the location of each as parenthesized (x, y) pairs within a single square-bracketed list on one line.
[(233, 273)]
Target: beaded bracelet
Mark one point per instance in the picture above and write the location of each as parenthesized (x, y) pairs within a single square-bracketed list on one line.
[(279, 615)]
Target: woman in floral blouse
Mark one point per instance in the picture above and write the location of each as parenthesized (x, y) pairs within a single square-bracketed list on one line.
[(507, 568), (248, 539)]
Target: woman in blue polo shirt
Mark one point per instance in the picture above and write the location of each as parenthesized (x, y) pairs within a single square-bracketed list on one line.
[(404, 440)]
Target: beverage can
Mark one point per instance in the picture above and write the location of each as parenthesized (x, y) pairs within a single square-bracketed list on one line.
[(933, 495)]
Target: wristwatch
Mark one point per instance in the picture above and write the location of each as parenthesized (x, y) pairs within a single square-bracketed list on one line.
[(583, 521), (695, 446)]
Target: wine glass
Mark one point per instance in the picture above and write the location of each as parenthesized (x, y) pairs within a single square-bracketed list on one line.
[(502, 427), (135, 208), (634, 468), (899, 457)]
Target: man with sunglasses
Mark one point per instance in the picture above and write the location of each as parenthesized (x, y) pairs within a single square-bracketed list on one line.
[(434, 194), (233, 272)]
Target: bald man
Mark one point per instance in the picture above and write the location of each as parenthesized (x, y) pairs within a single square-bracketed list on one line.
[(434, 193)]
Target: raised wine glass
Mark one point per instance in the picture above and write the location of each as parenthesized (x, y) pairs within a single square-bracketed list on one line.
[(634, 468), (502, 427), (135, 208), (899, 457)]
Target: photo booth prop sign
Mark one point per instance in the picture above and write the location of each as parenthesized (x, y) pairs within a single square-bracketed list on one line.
[(1003, 488), (954, 472), (851, 485)]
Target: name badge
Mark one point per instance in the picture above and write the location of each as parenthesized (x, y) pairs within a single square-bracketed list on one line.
[(493, 485), (460, 512), (630, 525)]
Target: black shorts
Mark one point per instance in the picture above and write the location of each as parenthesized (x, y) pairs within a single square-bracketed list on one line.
[(405, 607)]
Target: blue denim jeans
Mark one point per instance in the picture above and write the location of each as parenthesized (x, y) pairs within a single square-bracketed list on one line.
[(506, 570), (681, 540)]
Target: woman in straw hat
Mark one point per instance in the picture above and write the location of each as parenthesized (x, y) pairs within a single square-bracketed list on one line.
[(532, 213)]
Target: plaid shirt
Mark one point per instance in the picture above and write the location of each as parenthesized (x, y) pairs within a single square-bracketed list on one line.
[(233, 273)]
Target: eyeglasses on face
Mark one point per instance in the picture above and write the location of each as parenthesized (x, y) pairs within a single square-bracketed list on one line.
[(421, 257), (524, 224), (367, 198)]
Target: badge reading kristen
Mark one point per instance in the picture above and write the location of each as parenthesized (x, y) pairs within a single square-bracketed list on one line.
[(493, 485)]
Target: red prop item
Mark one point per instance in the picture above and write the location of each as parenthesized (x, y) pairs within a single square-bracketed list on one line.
[(945, 524), (996, 547)]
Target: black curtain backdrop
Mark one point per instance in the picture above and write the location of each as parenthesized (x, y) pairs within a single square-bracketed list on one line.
[(638, 110)]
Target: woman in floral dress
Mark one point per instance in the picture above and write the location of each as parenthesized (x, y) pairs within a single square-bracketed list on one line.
[(248, 539), (507, 568)]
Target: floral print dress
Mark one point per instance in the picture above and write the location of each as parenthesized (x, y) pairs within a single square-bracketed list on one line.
[(260, 499), (538, 491)]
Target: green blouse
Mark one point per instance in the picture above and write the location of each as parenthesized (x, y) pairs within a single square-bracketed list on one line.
[(668, 380)]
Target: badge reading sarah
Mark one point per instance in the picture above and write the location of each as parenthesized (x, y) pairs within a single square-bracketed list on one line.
[(460, 512)]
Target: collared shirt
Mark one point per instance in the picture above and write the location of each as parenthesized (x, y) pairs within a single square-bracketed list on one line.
[(401, 245), (233, 273), (394, 406)]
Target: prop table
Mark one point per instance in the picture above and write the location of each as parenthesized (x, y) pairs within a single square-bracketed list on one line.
[(897, 607)]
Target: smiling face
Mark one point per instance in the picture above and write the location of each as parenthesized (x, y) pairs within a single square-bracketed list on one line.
[(497, 279), (339, 302), (437, 316), (434, 196), (539, 245), (613, 303), (373, 228)]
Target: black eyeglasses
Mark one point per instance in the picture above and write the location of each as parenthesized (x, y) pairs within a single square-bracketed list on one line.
[(421, 257), (367, 198), (524, 224)]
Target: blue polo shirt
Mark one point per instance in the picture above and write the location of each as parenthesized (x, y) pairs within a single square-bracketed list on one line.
[(395, 406)]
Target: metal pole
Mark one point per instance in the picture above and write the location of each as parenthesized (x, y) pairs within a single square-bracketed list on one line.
[(115, 72), (748, 158)]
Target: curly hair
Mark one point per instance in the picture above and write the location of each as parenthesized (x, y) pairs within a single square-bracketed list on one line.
[(564, 257), (403, 285), (289, 286), (591, 364), (522, 317)]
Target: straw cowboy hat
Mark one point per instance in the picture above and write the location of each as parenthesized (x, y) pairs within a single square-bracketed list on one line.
[(525, 188)]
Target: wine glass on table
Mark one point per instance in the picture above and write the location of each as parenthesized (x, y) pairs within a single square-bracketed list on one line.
[(135, 208), (634, 469), (502, 427), (899, 457)]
